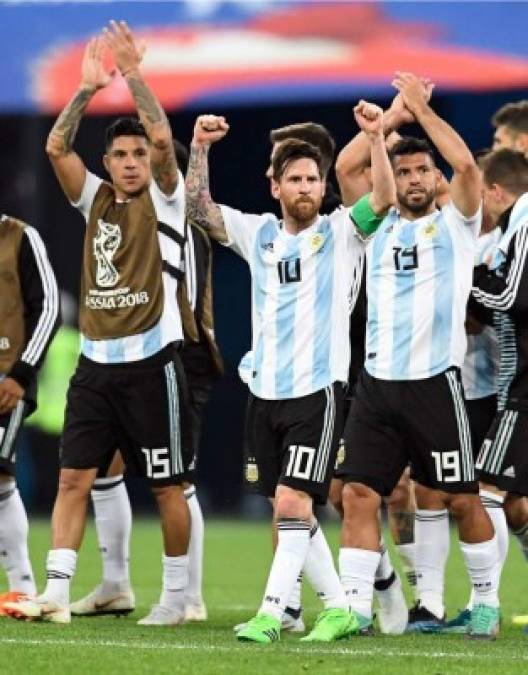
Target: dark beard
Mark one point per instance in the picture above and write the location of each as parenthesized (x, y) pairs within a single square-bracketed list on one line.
[(421, 208)]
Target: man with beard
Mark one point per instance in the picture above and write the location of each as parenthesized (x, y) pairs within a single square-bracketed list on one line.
[(302, 270), (409, 405)]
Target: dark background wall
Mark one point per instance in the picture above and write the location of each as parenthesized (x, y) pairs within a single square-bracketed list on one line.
[(29, 190)]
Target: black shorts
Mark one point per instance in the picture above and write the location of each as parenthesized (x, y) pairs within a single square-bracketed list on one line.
[(293, 442), (418, 422), (481, 413), (10, 426), (503, 457), (141, 407)]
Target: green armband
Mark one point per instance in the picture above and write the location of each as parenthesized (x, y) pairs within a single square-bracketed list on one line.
[(364, 217)]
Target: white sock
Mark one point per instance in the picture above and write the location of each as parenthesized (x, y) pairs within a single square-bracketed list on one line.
[(60, 568), (357, 569), (294, 601), (321, 572), (385, 569), (482, 565), (289, 559), (522, 537), (408, 555), (493, 504), (14, 555), (193, 593), (431, 537), (175, 580), (113, 521)]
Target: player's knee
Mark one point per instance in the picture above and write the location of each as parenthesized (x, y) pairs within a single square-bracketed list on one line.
[(516, 511), (359, 499), (460, 505), (292, 504), (399, 498), (168, 493), (75, 482)]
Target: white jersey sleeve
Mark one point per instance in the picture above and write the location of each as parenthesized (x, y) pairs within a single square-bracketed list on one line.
[(90, 187), (471, 223), (241, 229)]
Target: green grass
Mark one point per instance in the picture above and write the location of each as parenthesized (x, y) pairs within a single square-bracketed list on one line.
[(236, 566)]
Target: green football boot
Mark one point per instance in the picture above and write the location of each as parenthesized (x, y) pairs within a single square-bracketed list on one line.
[(332, 624), (263, 628), (484, 623)]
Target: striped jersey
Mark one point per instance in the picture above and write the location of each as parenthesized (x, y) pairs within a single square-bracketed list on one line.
[(170, 210), (481, 364), (418, 283), (303, 287), (504, 290)]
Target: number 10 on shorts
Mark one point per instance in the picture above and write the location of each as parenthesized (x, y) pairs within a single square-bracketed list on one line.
[(157, 462), (447, 466)]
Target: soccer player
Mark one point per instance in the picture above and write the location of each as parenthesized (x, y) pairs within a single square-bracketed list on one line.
[(504, 290), (302, 271), (409, 404), (29, 317), (511, 127), (127, 391), (202, 363)]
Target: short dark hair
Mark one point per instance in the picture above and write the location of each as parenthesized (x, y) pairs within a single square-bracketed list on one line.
[(309, 132), (512, 115), (409, 145), (507, 168), (124, 126), (291, 150)]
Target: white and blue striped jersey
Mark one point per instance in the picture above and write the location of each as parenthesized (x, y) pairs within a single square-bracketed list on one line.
[(419, 277), (481, 365), (170, 210), (303, 287)]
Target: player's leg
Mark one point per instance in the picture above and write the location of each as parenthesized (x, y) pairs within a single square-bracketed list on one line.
[(14, 555), (113, 523), (401, 511), (442, 461)]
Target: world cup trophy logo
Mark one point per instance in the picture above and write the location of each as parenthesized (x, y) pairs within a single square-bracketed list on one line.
[(105, 244)]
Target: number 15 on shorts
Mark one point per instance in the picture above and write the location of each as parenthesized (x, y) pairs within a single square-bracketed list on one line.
[(157, 464)]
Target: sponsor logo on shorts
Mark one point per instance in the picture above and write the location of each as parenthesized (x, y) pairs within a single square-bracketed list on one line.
[(251, 472)]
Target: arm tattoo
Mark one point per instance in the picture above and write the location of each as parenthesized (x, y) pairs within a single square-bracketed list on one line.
[(68, 121), (200, 207), (150, 111)]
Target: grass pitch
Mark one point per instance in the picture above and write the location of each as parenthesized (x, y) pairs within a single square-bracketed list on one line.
[(237, 561)]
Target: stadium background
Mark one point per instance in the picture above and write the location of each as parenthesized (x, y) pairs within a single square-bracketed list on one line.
[(254, 63)]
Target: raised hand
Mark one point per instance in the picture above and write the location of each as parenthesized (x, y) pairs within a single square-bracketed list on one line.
[(10, 394), (126, 51), (398, 106), (415, 91), (93, 73), (369, 117), (209, 129)]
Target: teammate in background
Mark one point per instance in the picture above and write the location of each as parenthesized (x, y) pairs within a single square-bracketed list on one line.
[(29, 317), (202, 364), (128, 390), (302, 273), (503, 289), (511, 127), (409, 403)]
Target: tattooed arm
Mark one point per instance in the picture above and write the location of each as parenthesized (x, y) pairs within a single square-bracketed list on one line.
[(128, 55), (200, 207), (68, 166)]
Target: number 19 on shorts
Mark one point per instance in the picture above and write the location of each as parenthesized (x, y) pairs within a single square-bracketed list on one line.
[(447, 465)]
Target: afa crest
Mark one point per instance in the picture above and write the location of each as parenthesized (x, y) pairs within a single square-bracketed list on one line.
[(341, 453), (251, 472), (430, 231), (316, 241)]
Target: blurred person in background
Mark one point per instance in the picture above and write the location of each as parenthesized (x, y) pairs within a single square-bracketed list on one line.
[(511, 127), (29, 317)]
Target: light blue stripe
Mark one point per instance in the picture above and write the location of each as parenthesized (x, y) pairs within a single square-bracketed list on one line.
[(115, 351), (285, 327), (324, 291), (152, 341), (444, 258), (374, 275), (265, 237), (404, 287)]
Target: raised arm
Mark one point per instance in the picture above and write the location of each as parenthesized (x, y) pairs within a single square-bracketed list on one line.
[(68, 166), (369, 118), (200, 207), (128, 54), (354, 158), (465, 186)]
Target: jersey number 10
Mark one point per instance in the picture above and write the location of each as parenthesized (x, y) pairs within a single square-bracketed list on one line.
[(289, 270)]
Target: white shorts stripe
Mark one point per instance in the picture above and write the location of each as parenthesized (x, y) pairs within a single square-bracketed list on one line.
[(12, 430), (174, 419), (326, 437), (468, 470)]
